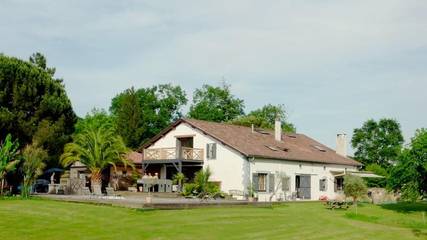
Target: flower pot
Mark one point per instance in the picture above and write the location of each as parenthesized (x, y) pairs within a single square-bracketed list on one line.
[(96, 189)]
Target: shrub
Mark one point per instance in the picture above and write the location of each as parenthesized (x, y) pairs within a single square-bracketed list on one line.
[(189, 189), (201, 187), (354, 187), (410, 192)]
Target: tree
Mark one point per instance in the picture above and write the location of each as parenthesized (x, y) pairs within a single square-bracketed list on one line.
[(410, 172), (355, 187), (8, 160), (33, 103), (379, 170), (96, 118), (282, 183), (143, 113), (40, 61), (265, 118), (32, 167), (378, 142), (215, 104), (129, 119), (97, 148)]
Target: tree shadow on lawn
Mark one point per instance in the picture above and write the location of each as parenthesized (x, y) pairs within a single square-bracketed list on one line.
[(419, 233), (405, 207)]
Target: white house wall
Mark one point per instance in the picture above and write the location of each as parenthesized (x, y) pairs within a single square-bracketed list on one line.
[(294, 168), (230, 167)]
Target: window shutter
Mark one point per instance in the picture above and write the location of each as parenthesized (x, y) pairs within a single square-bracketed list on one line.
[(271, 182), (255, 181), (213, 151), (208, 150), (285, 184), (325, 185), (335, 185)]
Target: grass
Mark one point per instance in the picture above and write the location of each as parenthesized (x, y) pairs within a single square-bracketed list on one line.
[(45, 219)]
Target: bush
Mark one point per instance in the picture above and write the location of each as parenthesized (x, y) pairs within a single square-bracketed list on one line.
[(201, 187), (410, 192), (189, 189), (354, 187)]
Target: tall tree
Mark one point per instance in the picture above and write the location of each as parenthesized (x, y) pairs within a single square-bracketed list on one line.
[(216, 104), (410, 172), (40, 61), (34, 157), (8, 158), (129, 119), (265, 117), (33, 103), (97, 148), (378, 142), (157, 107)]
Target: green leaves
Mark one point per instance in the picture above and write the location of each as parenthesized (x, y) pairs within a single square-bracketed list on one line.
[(265, 118), (140, 114), (354, 186), (34, 163), (8, 154), (31, 99), (8, 161), (378, 142), (97, 147), (410, 172), (215, 104)]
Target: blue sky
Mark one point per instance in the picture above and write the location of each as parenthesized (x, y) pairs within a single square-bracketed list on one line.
[(334, 64)]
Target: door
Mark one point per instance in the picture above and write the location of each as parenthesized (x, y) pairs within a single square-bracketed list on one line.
[(185, 142), (303, 186)]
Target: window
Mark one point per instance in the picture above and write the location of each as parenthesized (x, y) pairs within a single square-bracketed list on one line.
[(339, 184), (323, 185), (211, 151), (262, 182)]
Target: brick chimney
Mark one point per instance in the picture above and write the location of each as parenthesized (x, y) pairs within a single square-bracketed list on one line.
[(278, 130), (341, 144)]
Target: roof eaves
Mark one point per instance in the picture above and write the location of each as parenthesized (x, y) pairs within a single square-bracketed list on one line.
[(304, 160)]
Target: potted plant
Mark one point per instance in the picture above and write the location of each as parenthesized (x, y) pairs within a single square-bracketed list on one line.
[(179, 179), (251, 193)]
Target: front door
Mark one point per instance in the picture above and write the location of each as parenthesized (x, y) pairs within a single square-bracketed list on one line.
[(303, 186)]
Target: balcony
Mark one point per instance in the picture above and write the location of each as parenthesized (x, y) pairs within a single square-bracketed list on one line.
[(185, 153)]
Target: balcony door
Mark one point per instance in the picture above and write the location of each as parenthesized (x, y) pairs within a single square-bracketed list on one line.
[(183, 142)]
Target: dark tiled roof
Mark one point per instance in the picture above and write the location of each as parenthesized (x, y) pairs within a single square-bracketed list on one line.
[(297, 147)]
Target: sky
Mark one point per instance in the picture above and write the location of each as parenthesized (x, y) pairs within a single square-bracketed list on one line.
[(334, 64)]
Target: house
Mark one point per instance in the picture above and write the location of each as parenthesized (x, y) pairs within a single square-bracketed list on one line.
[(280, 165)]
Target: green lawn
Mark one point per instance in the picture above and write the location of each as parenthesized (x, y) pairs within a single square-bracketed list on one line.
[(45, 219)]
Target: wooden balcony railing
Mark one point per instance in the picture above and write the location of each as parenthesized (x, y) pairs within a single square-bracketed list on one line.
[(172, 153)]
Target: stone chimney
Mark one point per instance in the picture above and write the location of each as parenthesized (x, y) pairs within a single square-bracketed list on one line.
[(278, 130), (341, 144)]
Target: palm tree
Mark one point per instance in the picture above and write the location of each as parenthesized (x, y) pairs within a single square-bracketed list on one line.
[(33, 166), (97, 148), (179, 179), (204, 187), (8, 153)]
